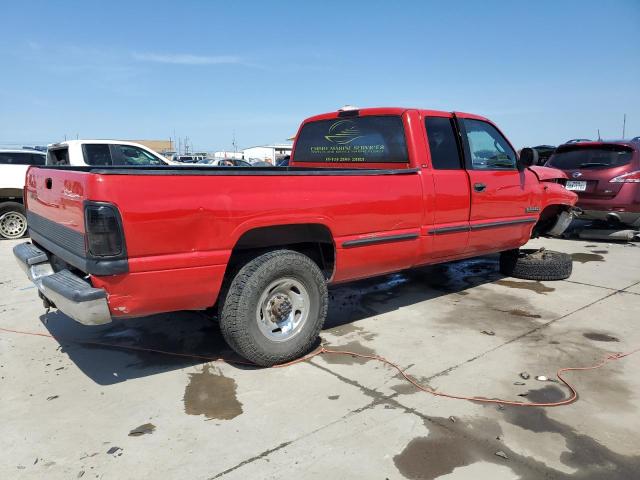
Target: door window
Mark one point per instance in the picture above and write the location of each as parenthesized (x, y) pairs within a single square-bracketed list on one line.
[(443, 144), (21, 158), (489, 149)]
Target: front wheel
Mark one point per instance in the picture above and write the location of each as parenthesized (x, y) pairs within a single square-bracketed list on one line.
[(274, 308), (13, 220)]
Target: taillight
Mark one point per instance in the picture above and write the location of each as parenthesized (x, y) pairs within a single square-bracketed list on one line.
[(631, 177), (104, 230)]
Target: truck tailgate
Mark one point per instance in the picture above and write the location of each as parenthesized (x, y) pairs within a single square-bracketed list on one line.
[(55, 209)]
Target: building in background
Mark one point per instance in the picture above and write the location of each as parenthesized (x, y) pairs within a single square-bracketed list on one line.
[(267, 153), (160, 146)]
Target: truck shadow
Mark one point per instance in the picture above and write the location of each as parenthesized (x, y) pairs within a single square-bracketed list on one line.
[(357, 300), (135, 348), (138, 347)]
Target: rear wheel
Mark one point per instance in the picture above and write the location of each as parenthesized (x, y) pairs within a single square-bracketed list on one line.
[(536, 264), (13, 220), (274, 308)]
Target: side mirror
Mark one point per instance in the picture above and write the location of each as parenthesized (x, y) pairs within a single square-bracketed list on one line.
[(528, 157)]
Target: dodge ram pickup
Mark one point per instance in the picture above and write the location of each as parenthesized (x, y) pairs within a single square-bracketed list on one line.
[(367, 192)]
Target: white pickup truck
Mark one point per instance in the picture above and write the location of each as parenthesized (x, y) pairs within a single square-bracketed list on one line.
[(103, 152), (14, 164), (13, 168)]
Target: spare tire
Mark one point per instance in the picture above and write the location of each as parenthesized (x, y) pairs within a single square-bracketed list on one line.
[(536, 264)]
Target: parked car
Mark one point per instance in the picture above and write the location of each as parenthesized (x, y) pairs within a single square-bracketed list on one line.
[(188, 158), (606, 177), (576, 140), (224, 162), (284, 161), (382, 190), (13, 169), (544, 153), (103, 153)]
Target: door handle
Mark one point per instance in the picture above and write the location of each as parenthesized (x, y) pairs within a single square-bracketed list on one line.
[(479, 187)]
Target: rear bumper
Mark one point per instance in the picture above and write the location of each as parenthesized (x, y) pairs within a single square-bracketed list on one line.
[(625, 205), (69, 293), (628, 218)]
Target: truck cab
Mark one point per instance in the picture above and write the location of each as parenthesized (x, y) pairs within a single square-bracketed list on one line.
[(477, 194), (103, 153)]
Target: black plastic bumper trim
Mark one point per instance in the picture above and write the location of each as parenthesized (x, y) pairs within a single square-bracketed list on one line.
[(72, 287), (29, 254), (88, 265)]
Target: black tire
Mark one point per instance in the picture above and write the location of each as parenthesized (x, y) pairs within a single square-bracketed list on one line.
[(536, 264), (239, 314), (16, 226)]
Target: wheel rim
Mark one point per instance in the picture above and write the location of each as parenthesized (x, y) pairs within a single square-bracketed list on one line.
[(283, 309), (13, 225)]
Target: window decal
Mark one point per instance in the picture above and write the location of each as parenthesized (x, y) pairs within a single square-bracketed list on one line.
[(368, 139)]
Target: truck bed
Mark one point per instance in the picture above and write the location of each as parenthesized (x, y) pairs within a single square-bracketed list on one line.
[(181, 224)]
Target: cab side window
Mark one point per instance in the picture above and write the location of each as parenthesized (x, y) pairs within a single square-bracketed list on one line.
[(443, 144), (97, 154), (489, 149), (130, 155)]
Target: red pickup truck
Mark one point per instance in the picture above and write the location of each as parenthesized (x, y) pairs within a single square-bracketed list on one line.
[(367, 192)]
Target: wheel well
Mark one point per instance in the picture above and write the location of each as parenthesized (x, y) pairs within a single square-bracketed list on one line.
[(312, 240), (548, 218)]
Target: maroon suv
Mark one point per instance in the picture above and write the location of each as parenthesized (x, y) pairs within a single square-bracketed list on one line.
[(606, 177)]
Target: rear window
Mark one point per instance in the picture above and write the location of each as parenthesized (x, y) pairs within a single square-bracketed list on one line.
[(21, 158), (371, 139), (600, 156), (58, 156)]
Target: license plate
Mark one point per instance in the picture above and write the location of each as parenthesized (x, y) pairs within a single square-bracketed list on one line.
[(576, 186)]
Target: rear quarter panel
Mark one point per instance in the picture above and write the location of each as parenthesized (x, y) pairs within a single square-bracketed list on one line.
[(180, 229), (168, 216)]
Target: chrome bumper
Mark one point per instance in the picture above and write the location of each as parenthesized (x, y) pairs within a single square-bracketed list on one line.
[(69, 293)]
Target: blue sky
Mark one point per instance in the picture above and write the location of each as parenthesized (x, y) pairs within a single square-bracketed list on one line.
[(545, 71)]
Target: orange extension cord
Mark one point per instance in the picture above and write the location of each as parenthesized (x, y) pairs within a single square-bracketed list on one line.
[(325, 351)]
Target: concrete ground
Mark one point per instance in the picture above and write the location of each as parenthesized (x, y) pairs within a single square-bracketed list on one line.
[(68, 408)]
